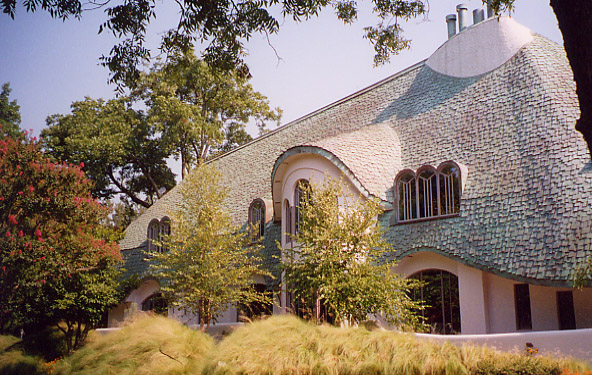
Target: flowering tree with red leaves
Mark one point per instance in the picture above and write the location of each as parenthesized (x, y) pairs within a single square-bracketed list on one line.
[(54, 265)]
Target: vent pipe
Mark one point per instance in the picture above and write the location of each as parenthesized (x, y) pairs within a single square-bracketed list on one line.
[(489, 10), (478, 16), (451, 23), (462, 9)]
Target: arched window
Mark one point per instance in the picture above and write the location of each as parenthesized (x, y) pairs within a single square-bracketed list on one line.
[(301, 195), (406, 196), (288, 221), (257, 219), (427, 188), (440, 298), (449, 189), (153, 234), (156, 303), (165, 230)]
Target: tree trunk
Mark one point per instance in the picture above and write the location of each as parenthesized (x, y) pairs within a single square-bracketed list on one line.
[(575, 22)]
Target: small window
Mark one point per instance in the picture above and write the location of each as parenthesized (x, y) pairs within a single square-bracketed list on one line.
[(449, 189), (165, 230), (153, 234), (155, 303), (301, 195), (407, 197), (565, 310), (522, 304), (427, 187), (257, 219)]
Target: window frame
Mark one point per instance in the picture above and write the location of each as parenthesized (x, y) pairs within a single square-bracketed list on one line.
[(156, 230)]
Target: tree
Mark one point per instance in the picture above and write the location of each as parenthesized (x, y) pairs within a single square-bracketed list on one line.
[(200, 110), (119, 149), (208, 264), (340, 259), (55, 265), (10, 116)]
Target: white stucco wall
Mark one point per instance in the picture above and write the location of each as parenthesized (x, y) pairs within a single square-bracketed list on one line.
[(487, 300)]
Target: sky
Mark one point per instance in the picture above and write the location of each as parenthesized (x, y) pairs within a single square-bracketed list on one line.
[(50, 63)]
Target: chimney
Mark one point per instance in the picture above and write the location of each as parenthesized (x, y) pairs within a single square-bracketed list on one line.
[(489, 10), (451, 23), (462, 9), (478, 16)]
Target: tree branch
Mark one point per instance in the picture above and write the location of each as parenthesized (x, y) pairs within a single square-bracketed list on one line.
[(127, 192)]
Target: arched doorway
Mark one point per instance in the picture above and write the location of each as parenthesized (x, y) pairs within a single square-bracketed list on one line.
[(439, 293)]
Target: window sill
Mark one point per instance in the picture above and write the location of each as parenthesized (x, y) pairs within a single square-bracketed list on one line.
[(426, 219)]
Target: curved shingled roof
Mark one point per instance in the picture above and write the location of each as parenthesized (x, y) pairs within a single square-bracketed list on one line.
[(525, 210)]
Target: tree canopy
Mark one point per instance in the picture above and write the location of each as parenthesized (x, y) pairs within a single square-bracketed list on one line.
[(340, 259), (207, 264), (10, 116), (56, 264)]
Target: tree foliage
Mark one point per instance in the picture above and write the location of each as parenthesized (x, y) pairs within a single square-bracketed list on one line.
[(55, 265), (118, 147), (339, 258), (202, 111), (208, 264), (10, 116)]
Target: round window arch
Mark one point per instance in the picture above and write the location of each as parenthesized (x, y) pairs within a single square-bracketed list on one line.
[(440, 299)]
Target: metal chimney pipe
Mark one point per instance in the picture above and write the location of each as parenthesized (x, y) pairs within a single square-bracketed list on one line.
[(462, 9), (489, 10), (451, 23), (478, 16)]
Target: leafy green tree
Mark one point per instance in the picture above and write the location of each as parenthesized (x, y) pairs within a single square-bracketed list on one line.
[(119, 149), (339, 259), (10, 116), (55, 265), (208, 264), (202, 111)]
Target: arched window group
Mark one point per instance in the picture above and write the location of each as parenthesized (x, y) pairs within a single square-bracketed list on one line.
[(257, 219), (157, 229), (428, 193)]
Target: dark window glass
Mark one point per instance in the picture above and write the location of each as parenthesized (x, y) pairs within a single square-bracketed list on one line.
[(288, 221), (440, 299), (255, 309), (428, 193), (153, 234), (565, 310), (449, 190), (257, 219), (522, 302), (301, 195), (165, 230), (406, 197), (156, 303)]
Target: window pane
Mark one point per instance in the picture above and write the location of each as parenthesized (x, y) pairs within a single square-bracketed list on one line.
[(522, 303), (300, 196), (565, 308), (449, 190), (407, 198), (257, 219), (428, 194)]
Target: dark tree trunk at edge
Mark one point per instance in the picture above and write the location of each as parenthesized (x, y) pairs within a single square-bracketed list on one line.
[(575, 23)]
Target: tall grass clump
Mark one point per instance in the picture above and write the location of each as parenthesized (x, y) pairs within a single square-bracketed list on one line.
[(146, 345), (287, 345), (13, 361)]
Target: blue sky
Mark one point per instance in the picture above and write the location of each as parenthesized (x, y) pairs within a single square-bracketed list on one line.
[(51, 63)]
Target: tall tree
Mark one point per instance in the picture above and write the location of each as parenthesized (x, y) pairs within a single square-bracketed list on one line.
[(55, 264), (120, 150), (208, 264), (10, 116), (339, 259), (200, 110)]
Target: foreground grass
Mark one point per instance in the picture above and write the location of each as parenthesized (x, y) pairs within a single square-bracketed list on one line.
[(282, 345), (13, 360), (286, 345), (147, 345)]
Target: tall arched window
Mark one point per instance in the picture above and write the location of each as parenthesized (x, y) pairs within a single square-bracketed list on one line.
[(406, 196), (301, 195), (257, 219), (287, 221), (427, 188), (165, 230), (449, 188), (440, 298), (153, 234)]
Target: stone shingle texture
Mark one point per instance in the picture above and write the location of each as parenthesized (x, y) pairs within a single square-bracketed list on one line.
[(525, 209)]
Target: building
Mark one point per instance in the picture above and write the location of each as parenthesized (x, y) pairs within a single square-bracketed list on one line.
[(485, 182)]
